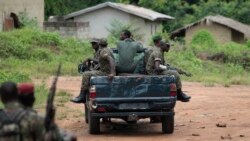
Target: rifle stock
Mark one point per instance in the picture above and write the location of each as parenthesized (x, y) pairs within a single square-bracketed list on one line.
[(50, 110)]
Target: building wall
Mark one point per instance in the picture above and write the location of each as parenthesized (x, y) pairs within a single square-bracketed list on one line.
[(34, 9), (100, 20), (78, 30), (237, 36), (221, 33)]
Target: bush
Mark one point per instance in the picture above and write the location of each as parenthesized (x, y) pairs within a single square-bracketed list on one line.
[(37, 53), (26, 21), (203, 41), (248, 43)]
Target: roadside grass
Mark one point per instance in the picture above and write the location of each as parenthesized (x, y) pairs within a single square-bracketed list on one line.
[(233, 70), (38, 53), (62, 97)]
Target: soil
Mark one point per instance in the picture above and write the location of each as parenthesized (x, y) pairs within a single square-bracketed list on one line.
[(196, 120)]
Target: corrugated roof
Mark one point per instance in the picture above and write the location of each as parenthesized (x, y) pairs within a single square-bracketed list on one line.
[(233, 24), (131, 9)]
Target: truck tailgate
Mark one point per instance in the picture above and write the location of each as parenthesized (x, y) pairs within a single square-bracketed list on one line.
[(132, 87)]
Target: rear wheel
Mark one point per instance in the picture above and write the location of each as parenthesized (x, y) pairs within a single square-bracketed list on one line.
[(86, 113), (94, 124), (168, 124)]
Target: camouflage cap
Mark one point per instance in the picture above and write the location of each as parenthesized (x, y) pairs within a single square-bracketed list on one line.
[(103, 42), (156, 38), (94, 40)]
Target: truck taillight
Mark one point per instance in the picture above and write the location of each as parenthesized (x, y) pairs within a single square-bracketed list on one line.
[(92, 92), (173, 89)]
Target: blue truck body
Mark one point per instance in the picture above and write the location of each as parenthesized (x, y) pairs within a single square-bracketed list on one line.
[(131, 98)]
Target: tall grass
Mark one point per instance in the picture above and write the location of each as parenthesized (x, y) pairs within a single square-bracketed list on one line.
[(232, 71), (36, 54)]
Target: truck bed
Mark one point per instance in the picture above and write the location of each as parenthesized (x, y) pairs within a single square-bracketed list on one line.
[(133, 93)]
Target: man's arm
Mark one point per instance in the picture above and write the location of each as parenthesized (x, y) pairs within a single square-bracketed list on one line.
[(157, 66), (140, 47), (112, 66)]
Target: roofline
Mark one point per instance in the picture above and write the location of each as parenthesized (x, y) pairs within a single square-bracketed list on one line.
[(110, 4), (202, 20)]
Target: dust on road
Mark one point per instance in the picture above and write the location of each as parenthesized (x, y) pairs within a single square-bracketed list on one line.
[(194, 121)]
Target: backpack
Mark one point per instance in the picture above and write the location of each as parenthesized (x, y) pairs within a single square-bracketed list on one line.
[(10, 129)]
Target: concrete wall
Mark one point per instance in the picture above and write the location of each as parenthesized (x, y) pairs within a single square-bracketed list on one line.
[(78, 30), (34, 9), (100, 20), (221, 33)]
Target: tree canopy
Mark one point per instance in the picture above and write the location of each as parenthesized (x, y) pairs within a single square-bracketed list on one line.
[(185, 11)]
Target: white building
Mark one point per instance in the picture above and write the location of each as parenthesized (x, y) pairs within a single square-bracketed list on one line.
[(100, 17), (33, 8)]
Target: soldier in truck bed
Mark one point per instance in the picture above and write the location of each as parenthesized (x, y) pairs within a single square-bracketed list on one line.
[(156, 66), (107, 68), (92, 64), (127, 49)]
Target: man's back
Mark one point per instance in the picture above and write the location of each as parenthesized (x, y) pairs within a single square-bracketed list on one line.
[(127, 50), (17, 124)]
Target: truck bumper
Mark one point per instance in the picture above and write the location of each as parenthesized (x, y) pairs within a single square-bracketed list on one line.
[(139, 114)]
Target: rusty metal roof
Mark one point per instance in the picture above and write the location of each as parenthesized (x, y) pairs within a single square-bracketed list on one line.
[(131, 9)]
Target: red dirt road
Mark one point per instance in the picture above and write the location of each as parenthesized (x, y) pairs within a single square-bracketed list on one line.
[(194, 121)]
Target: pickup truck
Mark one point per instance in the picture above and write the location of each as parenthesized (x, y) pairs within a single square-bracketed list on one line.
[(131, 98)]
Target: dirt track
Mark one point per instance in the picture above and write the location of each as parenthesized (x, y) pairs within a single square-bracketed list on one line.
[(195, 121)]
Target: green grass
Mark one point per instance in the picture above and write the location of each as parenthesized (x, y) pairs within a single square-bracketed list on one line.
[(36, 54), (30, 53), (232, 71)]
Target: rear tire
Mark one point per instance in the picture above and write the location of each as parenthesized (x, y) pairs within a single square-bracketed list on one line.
[(94, 124), (168, 124), (86, 113)]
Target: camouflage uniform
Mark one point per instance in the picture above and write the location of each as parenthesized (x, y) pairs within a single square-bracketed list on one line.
[(94, 66), (158, 55), (32, 126), (104, 68)]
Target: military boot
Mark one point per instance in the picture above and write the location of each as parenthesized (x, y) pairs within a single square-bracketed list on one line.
[(182, 96), (81, 98)]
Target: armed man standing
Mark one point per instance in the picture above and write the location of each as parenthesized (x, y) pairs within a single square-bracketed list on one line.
[(27, 99), (17, 124), (156, 66)]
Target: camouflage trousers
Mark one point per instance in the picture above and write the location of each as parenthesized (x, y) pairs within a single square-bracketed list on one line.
[(87, 75), (175, 74)]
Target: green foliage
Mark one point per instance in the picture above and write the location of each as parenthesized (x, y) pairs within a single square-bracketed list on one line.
[(13, 76), (203, 41), (248, 43), (233, 69), (185, 12), (41, 95), (37, 53), (233, 53), (26, 21), (116, 27), (203, 38)]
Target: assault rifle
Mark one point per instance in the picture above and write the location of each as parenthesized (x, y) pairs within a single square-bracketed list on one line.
[(50, 109)]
